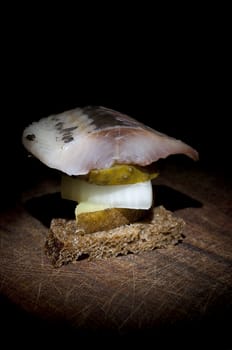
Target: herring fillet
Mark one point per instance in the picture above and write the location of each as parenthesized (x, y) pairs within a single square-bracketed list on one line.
[(82, 139)]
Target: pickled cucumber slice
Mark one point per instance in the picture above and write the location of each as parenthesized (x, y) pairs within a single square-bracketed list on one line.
[(121, 174)]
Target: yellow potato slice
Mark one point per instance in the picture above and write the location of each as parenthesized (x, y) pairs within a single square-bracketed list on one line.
[(107, 219)]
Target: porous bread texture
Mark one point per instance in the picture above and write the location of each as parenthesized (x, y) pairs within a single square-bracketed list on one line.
[(66, 243)]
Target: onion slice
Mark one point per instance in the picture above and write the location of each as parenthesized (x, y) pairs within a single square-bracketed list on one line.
[(86, 207), (132, 196)]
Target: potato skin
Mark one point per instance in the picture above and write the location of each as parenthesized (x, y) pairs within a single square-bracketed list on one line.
[(108, 219)]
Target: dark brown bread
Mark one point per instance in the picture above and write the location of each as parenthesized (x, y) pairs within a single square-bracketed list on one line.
[(67, 243)]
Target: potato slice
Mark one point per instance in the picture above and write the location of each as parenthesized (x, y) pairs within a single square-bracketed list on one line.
[(121, 174), (107, 219)]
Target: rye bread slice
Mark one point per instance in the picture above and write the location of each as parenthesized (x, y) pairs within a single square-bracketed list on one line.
[(67, 243)]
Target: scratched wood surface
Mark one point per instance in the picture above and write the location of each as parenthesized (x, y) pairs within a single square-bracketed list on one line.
[(188, 286)]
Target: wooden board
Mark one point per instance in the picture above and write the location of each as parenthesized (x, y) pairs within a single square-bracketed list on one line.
[(184, 289)]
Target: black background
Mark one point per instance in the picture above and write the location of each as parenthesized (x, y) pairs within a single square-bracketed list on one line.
[(167, 67), (175, 78)]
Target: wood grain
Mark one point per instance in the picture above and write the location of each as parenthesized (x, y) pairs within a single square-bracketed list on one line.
[(188, 285)]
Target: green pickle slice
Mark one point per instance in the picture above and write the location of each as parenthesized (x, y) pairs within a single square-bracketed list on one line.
[(121, 174)]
